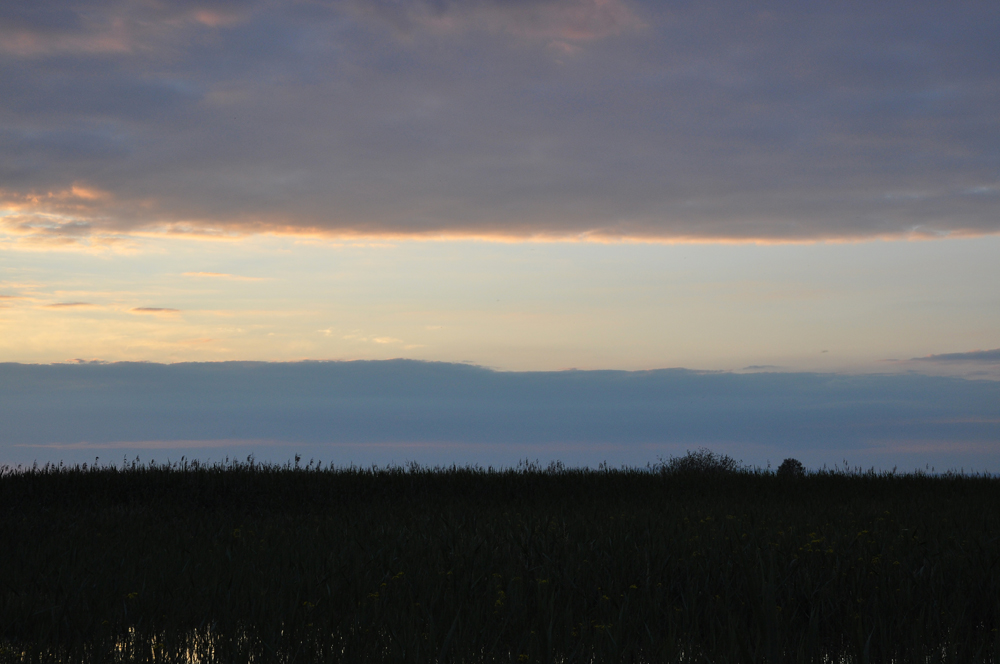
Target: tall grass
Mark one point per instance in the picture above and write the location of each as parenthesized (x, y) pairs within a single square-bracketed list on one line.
[(250, 562)]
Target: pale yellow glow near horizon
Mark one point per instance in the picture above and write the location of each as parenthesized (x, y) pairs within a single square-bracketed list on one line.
[(868, 306)]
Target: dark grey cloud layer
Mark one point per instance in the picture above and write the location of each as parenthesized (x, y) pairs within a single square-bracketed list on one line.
[(563, 118), (359, 410)]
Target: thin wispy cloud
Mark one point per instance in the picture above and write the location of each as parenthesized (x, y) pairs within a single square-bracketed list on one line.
[(568, 120), (988, 356), (164, 311), (223, 275), (67, 305)]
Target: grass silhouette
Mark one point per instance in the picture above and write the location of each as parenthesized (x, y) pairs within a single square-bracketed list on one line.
[(680, 561)]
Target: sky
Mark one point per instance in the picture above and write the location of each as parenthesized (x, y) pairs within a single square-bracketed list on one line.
[(523, 186)]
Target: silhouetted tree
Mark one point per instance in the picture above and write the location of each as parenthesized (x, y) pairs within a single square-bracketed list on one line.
[(791, 468)]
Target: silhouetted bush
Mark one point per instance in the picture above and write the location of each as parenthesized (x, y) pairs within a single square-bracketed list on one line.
[(703, 461)]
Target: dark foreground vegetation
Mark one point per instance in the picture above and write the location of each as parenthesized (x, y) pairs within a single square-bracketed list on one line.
[(695, 560)]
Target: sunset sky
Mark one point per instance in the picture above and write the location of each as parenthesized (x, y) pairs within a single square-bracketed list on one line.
[(519, 185)]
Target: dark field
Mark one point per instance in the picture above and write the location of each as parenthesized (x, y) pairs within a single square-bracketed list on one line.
[(257, 563)]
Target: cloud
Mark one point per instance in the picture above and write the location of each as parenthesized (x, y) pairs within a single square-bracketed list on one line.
[(412, 408), (70, 217), (582, 120), (61, 305), (223, 275), (971, 356), (548, 20), (155, 310), (109, 28)]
